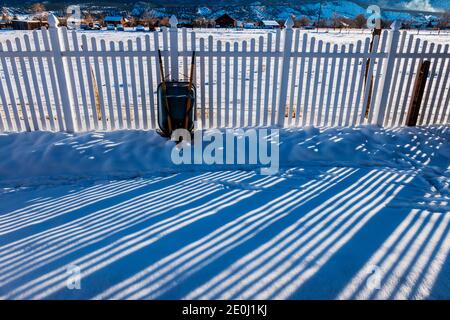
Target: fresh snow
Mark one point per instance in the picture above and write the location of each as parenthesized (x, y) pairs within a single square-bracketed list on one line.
[(360, 213)]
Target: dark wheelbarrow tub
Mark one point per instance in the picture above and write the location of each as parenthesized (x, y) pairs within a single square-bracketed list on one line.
[(177, 94)]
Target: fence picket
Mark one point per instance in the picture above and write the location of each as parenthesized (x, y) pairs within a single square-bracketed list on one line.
[(108, 86), (345, 86), (151, 87), (243, 86), (76, 49), (125, 85), (251, 84), (98, 81), (235, 83), (258, 105), (275, 87), (227, 85), (315, 85), (210, 83), (352, 85), (323, 87), (112, 48), (219, 84), (202, 82), (308, 84), (267, 80), (142, 84), (300, 81), (338, 86), (358, 108), (290, 111)]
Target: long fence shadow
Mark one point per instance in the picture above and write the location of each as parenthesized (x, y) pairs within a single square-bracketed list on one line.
[(341, 232)]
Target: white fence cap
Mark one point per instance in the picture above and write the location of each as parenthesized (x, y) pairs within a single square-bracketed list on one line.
[(395, 25), (173, 21), (53, 21), (289, 23)]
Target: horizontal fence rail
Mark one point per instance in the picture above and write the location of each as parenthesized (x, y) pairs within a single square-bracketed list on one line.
[(57, 80)]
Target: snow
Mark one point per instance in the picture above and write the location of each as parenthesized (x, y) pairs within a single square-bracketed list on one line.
[(352, 213)]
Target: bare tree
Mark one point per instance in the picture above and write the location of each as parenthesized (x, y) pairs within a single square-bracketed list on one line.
[(444, 20), (359, 21), (303, 22), (37, 8)]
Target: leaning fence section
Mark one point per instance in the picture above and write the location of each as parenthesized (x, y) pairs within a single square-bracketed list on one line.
[(61, 80)]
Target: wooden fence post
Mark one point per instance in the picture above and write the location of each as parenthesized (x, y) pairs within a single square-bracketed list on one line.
[(282, 98), (173, 48), (419, 88), (63, 84), (387, 71)]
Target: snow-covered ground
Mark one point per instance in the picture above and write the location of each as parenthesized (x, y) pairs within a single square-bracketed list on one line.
[(353, 213)]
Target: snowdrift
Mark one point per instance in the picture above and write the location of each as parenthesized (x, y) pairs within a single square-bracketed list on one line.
[(45, 157)]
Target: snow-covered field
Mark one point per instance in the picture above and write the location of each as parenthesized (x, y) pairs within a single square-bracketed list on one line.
[(353, 213)]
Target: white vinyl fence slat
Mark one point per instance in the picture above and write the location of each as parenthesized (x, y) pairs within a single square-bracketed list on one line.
[(275, 87), (394, 81), (352, 85), (210, 83), (151, 86), (343, 105), (202, 83), (106, 72), (142, 85), (219, 85), (98, 81), (235, 84), (290, 107), (267, 80), (315, 85), (251, 85), (368, 81), (259, 83), (330, 86), (376, 96), (308, 84), (243, 86), (125, 85), (116, 80), (227, 86), (338, 87), (358, 108)]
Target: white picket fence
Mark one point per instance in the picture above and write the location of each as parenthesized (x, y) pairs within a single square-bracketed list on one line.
[(53, 81)]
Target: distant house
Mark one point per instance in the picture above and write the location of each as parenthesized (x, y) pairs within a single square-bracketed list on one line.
[(225, 21), (270, 24), (186, 23), (27, 24), (249, 25), (114, 20)]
